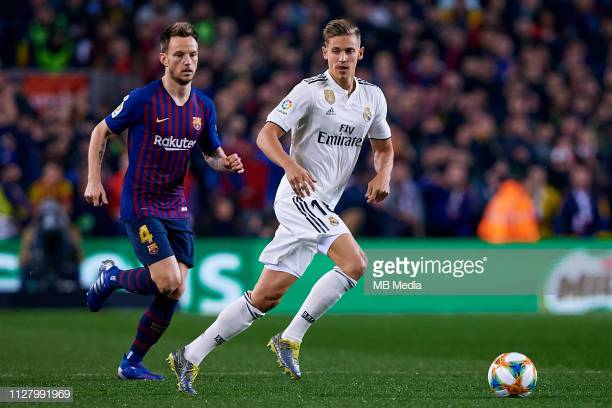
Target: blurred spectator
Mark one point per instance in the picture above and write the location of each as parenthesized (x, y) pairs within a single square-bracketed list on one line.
[(94, 221), (14, 206), (50, 251), (8, 228), (52, 186), (510, 216), (580, 212), (546, 199), (449, 202), (50, 43), (222, 221), (405, 203), (203, 15), (159, 12), (8, 103), (114, 185)]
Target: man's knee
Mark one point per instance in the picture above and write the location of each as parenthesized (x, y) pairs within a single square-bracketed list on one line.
[(266, 300), (167, 276), (356, 266), (364, 258), (176, 294), (169, 284)]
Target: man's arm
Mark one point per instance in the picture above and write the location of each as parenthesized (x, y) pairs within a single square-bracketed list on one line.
[(220, 162), (301, 181), (378, 187), (94, 193)]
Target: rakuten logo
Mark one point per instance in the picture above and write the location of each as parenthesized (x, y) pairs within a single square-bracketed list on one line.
[(171, 143)]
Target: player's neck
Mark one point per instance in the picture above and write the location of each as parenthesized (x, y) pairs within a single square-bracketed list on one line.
[(179, 93), (348, 84)]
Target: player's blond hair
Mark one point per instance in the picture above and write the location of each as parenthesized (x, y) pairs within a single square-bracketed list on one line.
[(176, 30), (338, 27)]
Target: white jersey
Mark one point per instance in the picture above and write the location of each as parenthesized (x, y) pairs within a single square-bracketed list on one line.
[(328, 128)]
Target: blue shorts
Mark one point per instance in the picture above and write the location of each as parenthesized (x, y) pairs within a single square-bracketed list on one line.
[(155, 239)]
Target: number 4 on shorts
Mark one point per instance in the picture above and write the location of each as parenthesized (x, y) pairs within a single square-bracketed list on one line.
[(145, 236)]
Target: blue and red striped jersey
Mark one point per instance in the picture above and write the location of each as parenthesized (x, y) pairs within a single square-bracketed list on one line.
[(160, 139)]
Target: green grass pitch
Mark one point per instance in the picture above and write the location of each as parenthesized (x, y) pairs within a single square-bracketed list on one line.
[(403, 361)]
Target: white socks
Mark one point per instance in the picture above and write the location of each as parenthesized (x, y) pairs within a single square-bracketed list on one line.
[(233, 320), (240, 314), (323, 295)]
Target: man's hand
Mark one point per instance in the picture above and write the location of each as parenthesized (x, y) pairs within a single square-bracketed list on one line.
[(301, 181), (378, 188), (95, 194), (233, 163)]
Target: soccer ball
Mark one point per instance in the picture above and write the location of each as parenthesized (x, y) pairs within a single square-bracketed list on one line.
[(512, 375)]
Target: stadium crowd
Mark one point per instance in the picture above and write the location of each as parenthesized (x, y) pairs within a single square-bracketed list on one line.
[(478, 93)]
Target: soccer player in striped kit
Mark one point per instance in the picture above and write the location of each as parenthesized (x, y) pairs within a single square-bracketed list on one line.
[(166, 120)]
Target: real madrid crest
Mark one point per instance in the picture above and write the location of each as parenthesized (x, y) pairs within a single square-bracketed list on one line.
[(367, 114), (197, 123), (333, 221), (330, 97)]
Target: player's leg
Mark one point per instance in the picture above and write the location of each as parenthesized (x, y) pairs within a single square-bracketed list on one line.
[(154, 320), (178, 292), (168, 274), (111, 278), (233, 320), (350, 264), (158, 315), (285, 258), (241, 313), (312, 221), (150, 242)]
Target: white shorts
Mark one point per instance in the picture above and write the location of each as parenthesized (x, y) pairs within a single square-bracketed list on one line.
[(307, 225)]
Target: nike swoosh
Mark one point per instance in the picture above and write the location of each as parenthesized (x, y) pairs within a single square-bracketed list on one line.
[(158, 120)]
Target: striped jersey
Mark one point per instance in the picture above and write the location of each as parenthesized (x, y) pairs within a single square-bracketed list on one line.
[(328, 127), (161, 136)]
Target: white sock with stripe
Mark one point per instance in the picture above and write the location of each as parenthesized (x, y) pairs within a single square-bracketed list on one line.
[(233, 320), (323, 295)]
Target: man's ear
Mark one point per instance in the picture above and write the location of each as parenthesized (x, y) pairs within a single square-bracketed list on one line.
[(163, 58), (324, 51), (361, 50)]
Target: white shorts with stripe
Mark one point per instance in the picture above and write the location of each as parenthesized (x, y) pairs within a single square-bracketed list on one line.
[(307, 225)]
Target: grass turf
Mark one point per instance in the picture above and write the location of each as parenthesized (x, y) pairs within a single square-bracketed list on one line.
[(346, 360)]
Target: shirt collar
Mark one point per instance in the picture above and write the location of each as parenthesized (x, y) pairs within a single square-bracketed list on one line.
[(334, 85)]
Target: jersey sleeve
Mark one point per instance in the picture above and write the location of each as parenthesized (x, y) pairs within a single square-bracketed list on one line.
[(380, 128), (209, 138), (292, 108), (129, 111)]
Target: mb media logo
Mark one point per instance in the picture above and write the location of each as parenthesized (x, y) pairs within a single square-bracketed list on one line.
[(173, 144)]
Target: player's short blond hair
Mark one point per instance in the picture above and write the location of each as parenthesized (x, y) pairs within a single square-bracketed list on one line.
[(338, 27), (176, 30)]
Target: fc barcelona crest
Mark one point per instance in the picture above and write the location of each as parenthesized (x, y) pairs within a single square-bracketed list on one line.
[(330, 97), (367, 114), (197, 123)]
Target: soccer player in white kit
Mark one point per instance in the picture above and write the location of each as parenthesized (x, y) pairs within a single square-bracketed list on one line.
[(330, 116)]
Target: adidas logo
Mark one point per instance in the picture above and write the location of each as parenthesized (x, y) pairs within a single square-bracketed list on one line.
[(219, 340), (330, 112)]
